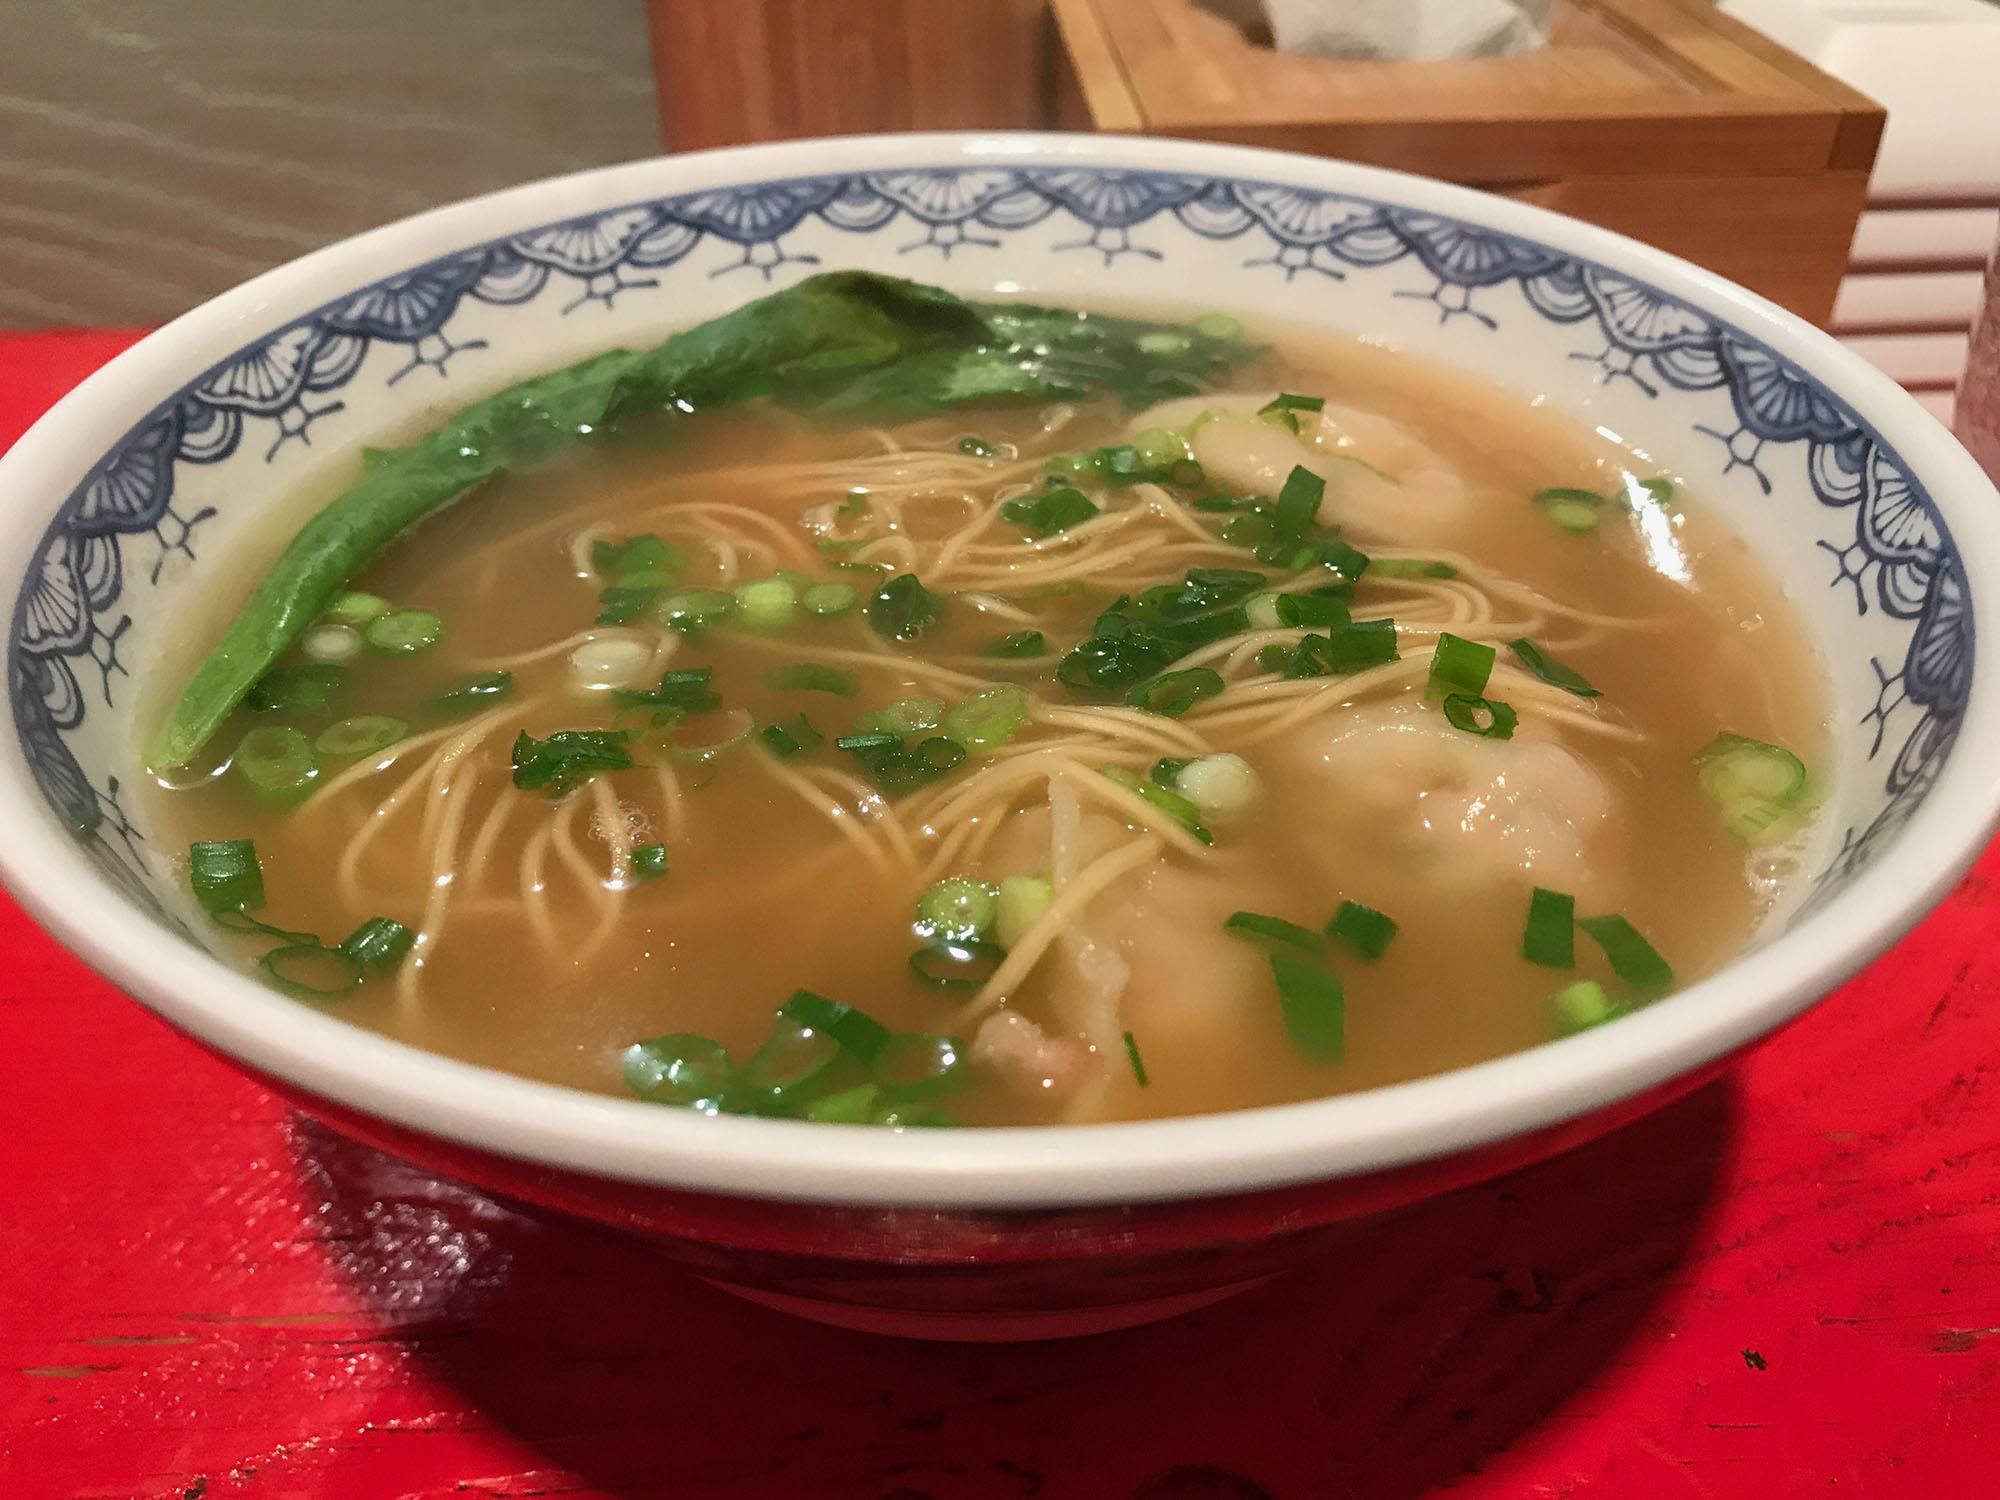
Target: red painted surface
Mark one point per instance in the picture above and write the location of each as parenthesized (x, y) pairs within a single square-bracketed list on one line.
[(1786, 1284)]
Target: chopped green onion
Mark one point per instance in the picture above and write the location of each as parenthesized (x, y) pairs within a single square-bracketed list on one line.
[(680, 1068), (860, 1034), (1363, 927), (1121, 464), (1068, 466), (355, 608), (1549, 939), (912, 1066), (1488, 718), (1631, 957), (1223, 503), (792, 737), (476, 692), (242, 921), (622, 605), (1298, 503), (898, 767), (1459, 666), (361, 735), (331, 643), (973, 446), (297, 689), (958, 907), (855, 1106), (827, 599), (992, 716), (1311, 609), (1159, 448), (1343, 649), (1018, 643), (1274, 930), (636, 557), (1570, 509), (812, 677), (902, 608), (1582, 1005), (956, 963), (1050, 512), (1174, 693), (682, 691), (910, 715), (1261, 610), (225, 874), (379, 943), (1349, 562), (649, 861), (1138, 1063), (568, 758), (404, 632), (1549, 670), (1022, 900), (691, 610), (1412, 567), (1162, 344), (1177, 807), (792, 1062), (1733, 768), (310, 971), (1167, 769), (766, 603), (1217, 325), (1313, 1005), (277, 762), (1219, 784), (1283, 409)]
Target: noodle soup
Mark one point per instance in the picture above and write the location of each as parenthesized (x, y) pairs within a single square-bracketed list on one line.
[(1228, 722)]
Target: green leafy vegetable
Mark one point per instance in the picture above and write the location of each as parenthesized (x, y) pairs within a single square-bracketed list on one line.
[(1313, 1004), (379, 943), (902, 608), (1019, 643), (1364, 928), (1632, 958), (1549, 939), (1551, 671), (1050, 512), (226, 875), (568, 758), (649, 861), (1274, 930)]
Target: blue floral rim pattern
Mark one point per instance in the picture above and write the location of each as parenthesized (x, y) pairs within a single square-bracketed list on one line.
[(127, 513)]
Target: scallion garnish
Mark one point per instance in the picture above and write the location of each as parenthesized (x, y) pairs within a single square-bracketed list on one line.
[(693, 610), (1364, 928), (958, 907), (1313, 1005), (404, 632), (1320, 607), (361, 735), (956, 963), (379, 943), (1549, 939), (912, 1066), (681, 692), (1174, 693), (311, 971), (1167, 768), (1631, 957), (1411, 567), (279, 762), (974, 446), (1571, 510), (1050, 512), (902, 608), (1488, 718), (474, 693), (1582, 1005), (1549, 670), (225, 874), (1758, 787), (1138, 1063), (682, 1069), (649, 861), (992, 716), (1349, 562), (1171, 803), (297, 689), (860, 1034), (1298, 503), (898, 766), (1283, 409), (567, 758), (825, 600), (767, 603), (1018, 643), (1267, 929), (1343, 649), (791, 737), (1459, 666), (813, 677), (793, 1064)]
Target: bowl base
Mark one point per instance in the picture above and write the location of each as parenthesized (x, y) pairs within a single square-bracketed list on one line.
[(987, 1327)]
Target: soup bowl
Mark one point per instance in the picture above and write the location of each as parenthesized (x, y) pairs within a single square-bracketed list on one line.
[(124, 507)]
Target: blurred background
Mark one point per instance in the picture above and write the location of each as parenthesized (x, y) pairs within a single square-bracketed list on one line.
[(154, 155)]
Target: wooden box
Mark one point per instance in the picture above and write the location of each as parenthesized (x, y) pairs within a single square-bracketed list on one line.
[(1658, 118)]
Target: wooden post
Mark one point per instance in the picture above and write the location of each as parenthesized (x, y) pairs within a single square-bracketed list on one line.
[(731, 71)]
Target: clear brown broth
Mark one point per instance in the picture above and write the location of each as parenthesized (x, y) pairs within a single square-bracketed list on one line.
[(731, 930)]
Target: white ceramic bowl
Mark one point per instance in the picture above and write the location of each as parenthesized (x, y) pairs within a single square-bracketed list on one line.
[(129, 498)]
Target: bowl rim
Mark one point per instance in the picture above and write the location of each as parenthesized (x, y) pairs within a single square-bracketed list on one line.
[(1017, 1167)]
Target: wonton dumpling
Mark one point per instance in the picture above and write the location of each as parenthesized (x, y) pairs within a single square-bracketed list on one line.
[(1382, 482), (1474, 810)]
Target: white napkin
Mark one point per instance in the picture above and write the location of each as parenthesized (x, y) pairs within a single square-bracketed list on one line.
[(1418, 30)]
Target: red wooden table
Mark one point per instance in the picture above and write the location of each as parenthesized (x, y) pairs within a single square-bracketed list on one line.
[(1788, 1284)]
